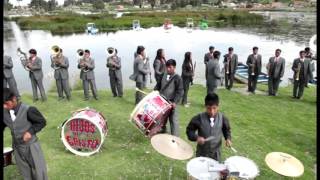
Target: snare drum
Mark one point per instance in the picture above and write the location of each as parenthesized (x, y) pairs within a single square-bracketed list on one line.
[(241, 168), (7, 156), (84, 133), (203, 168), (151, 113)]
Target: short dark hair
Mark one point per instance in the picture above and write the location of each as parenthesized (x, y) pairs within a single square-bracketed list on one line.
[(87, 51), (32, 51), (255, 47), (211, 99), (171, 62), (7, 95), (302, 51), (140, 49), (278, 50), (216, 54), (230, 49), (211, 48), (307, 49)]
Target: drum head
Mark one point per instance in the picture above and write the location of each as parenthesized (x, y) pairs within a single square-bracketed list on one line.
[(247, 168), (204, 168)]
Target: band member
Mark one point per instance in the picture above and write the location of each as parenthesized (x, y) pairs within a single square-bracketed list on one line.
[(159, 64), (170, 86), (302, 69), (213, 76), (8, 77), (86, 64), (141, 69), (254, 69), (208, 56), (311, 58), (25, 122), (230, 67), (114, 65), (60, 64), (207, 129), (275, 68), (187, 76), (36, 75)]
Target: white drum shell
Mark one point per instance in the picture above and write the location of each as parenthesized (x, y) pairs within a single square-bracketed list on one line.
[(198, 169)]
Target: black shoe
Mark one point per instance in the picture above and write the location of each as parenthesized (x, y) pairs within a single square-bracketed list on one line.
[(120, 96), (294, 97), (68, 98), (114, 95), (35, 100), (96, 98), (298, 97)]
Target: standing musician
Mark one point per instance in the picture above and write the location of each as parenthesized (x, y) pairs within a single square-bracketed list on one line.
[(24, 122), (60, 64), (159, 65), (141, 69), (311, 58), (36, 75), (114, 65), (214, 75), (230, 66), (207, 129), (170, 86), (207, 57), (254, 69), (275, 68), (302, 69), (8, 77), (86, 64), (187, 76)]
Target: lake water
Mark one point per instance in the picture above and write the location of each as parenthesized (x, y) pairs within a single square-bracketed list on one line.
[(175, 43)]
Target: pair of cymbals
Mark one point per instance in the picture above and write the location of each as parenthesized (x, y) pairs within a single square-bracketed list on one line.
[(284, 164), (171, 146)]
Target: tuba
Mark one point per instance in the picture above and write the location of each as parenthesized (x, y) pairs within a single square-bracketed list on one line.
[(56, 56), (111, 51), (82, 61), (23, 58)]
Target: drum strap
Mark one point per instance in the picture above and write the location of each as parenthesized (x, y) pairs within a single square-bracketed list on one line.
[(167, 85)]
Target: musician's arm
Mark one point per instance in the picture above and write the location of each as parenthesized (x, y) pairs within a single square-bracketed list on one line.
[(52, 62), (91, 64), (282, 68), (8, 65), (179, 90), (185, 72), (108, 62), (37, 120), (65, 64), (192, 128), (235, 63), (118, 65), (79, 66), (217, 71), (249, 63), (294, 68), (37, 65), (226, 129), (141, 69), (260, 64), (157, 67), (205, 61), (158, 85)]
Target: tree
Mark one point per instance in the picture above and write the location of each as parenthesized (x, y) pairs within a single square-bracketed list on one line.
[(51, 5), (7, 5), (98, 4)]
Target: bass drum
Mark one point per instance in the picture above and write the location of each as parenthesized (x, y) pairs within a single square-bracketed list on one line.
[(84, 133), (241, 168), (7, 156), (201, 168)]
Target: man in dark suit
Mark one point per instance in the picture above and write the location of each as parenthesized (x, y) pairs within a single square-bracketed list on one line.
[(254, 65), (86, 64), (230, 67), (60, 64), (114, 65), (213, 76), (8, 77), (275, 68), (36, 75), (207, 57), (302, 69)]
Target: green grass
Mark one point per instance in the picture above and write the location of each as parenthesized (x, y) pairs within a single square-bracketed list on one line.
[(260, 124)]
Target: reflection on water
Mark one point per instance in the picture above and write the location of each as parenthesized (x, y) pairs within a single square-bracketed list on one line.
[(175, 43)]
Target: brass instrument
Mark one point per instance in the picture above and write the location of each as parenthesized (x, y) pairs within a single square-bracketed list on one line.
[(24, 59), (82, 61), (56, 56), (298, 72), (111, 51)]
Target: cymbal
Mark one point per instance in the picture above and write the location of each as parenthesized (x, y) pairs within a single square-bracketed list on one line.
[(284, 164), (171, 146)]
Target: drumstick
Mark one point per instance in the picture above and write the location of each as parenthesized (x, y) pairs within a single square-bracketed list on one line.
[(137, 89), (209, 138), (233, 149)]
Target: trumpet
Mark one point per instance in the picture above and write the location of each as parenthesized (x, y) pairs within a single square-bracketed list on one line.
[(23, 58), (82, 60), (56, 56), (298, 72)]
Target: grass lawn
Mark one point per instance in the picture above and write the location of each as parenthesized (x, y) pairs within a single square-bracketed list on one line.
[(260, 124)]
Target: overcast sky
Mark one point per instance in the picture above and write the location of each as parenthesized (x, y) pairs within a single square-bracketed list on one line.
[(26, 2)]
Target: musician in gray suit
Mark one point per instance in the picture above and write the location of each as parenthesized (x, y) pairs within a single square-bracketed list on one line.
[(213, 76), (141, 69), (302, 69), (311, 58), (275, 68), (254, 69), (159, 65), (60, 64), (36, 75), (86, 64), (207, 57), (114, 65), (230, 67), (8, 77)]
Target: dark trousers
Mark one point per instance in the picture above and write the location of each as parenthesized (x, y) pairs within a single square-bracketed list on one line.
[(298, 87), (12, 85), (229, 80), (37, 83), (115, 84), (85, 84), (174, 123), (63, 86), (273, 85), (252, 82), (186, 84), (139, 95)]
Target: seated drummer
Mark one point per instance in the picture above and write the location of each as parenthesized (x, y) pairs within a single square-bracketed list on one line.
[(170, 86), (207, 124)]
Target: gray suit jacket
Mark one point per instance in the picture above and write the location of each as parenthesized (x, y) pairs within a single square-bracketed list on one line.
[(276, 70), (207, 57), (233, 63), (90, 66), (307, 68), (62, 72), (140, 70), (257, 63), (7, 67), (36, 69), (213, 70)]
